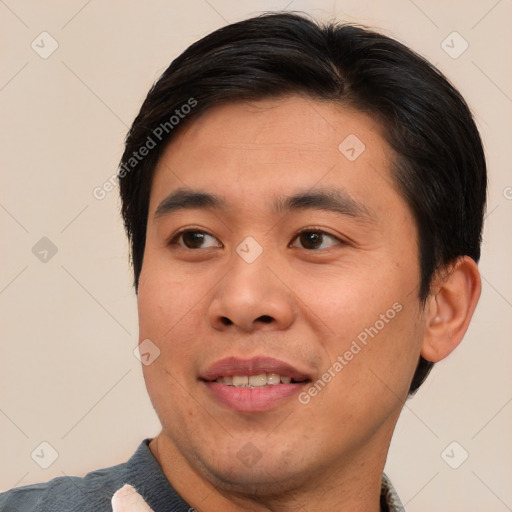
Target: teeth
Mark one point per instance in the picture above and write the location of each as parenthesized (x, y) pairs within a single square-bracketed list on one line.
[(273, 378), (240, 381), (258, 380), (254, 381)]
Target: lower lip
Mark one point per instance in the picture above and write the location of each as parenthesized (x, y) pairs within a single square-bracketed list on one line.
[(257, 399)]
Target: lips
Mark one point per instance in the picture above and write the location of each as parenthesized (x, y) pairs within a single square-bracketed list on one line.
[(253, 385), (233, 366)]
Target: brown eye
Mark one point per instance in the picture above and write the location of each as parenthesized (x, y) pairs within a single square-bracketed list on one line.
[(196, 240), (313, 240)]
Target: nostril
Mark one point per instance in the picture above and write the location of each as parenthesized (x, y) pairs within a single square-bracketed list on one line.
[(226, 321), (265, 319)]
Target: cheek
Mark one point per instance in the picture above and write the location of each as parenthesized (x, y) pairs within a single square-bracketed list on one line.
[(390, 346), (348, 301), (168, 309), (165, 301), (171, 315), (373, 323)]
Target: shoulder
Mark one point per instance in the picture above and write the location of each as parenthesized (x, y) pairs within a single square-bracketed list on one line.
[(90, 493)]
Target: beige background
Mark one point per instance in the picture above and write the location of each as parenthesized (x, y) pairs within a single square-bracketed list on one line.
[(68, 326)]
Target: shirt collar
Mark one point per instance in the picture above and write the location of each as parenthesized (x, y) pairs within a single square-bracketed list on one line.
[(389, 500)]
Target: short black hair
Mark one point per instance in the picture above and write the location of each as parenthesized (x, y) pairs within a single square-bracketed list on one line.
[(439, 165)]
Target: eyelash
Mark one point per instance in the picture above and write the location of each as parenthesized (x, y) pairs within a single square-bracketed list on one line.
[(316, 231), (177, 236)]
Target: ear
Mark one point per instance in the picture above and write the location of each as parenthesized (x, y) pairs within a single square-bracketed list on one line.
[(450, 306)]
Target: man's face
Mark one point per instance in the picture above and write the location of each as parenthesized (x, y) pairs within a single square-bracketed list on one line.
[(294, 272)]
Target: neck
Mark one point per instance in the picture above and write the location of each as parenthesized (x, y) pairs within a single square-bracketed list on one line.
[(354, 485)]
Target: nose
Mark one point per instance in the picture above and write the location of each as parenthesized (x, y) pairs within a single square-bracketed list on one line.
[(251, 297)]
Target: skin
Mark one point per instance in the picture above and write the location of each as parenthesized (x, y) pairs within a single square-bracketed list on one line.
[(297, 303)]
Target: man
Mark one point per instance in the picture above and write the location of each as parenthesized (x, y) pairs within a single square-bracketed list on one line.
[(304, 206)]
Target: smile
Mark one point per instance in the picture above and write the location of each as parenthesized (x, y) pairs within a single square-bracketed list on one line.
[(254, 381), (253, 385)]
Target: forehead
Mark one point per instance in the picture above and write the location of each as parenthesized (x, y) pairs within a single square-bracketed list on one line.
[(276, 147)]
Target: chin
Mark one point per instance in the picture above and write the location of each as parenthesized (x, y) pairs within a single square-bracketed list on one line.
[(266, 480)]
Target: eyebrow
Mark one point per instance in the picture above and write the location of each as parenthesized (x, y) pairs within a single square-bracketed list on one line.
[(332, 200), (182, 199)]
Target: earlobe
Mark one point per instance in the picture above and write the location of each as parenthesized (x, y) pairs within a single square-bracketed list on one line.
[(451, 305)]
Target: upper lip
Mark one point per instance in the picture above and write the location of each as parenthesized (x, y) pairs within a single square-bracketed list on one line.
[(231, 366)]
